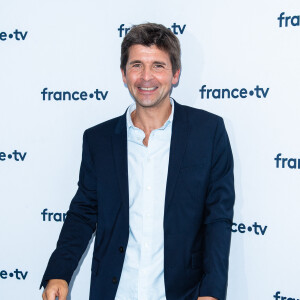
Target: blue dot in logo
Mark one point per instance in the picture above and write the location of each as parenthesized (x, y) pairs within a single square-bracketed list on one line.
[(9, 156), (11, 275), (91, 95), (249, 228), (10, 36), (251, 93)]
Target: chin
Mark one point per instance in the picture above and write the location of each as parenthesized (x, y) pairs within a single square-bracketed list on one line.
[(146, 103)]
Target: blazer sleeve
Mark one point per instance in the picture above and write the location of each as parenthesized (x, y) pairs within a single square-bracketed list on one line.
[(79, 225), (218, 217)]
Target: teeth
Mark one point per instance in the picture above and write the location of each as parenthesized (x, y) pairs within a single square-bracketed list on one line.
[(148, 89)]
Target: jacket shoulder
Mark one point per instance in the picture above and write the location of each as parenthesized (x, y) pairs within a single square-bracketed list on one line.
[(197, 115), (105, 128)]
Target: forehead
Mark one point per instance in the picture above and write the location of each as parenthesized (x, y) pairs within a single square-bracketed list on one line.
[(148, 54)]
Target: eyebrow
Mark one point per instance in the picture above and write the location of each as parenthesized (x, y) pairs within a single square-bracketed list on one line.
[(155, 62), (135, 62), (160, 63)]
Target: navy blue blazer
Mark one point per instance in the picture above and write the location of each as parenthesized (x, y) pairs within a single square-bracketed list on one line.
[(197, 217)]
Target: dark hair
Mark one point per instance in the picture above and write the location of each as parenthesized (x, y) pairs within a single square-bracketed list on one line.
[(149, 34)]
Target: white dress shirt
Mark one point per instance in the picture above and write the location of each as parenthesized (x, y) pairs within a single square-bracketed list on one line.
[(142, 276)]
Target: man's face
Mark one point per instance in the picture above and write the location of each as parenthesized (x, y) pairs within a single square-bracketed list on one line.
[(149, 76)]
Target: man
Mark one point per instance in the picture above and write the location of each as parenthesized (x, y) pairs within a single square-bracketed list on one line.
[(156, 184)]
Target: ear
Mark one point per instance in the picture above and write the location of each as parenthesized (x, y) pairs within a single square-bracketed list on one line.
[(176, 77), (123, 76)]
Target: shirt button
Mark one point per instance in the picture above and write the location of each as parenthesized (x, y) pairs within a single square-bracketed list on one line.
[(148, 187), (114, 280), (121, 249)]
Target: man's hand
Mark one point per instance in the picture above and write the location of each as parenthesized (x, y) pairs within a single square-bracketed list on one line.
[(56, 288), (206, 298)]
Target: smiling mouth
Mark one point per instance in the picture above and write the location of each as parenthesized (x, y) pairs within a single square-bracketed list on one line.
[(148, 88)]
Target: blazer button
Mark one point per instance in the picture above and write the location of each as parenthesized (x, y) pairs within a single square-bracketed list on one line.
[(121, 249), (114, 280)]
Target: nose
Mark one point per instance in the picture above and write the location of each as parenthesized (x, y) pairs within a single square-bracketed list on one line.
[(147, 73)]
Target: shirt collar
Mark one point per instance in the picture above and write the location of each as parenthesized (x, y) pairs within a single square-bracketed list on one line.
[(132, 107)]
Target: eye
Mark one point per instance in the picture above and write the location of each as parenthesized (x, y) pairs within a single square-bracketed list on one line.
[(158, 66), (136, 65)]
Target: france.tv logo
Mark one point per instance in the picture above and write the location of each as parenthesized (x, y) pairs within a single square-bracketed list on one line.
[(97, 94), (277, 296), (51, 216), (175, 28), (16, 35), (286, 21), (236, 93), (15, 155), (291, 163), (255, 228), (17, 274)]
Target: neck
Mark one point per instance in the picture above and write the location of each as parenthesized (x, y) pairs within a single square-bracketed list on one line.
[(150, 118)]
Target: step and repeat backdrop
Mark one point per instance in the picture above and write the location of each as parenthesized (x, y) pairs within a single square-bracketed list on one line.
[(59, 74)]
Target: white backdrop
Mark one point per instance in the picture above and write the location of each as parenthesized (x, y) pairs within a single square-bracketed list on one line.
[(75, 46)]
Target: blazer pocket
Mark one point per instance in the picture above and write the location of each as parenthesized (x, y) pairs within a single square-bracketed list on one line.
[(197, 260), (95, 266)]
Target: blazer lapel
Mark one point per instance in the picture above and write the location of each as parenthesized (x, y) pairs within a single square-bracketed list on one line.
[(119, 145), (180, 132)]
